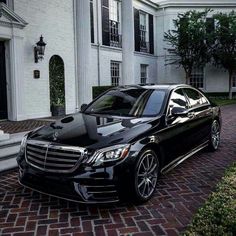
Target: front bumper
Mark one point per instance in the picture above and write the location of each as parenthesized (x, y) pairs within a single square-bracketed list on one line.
[(85, 185)]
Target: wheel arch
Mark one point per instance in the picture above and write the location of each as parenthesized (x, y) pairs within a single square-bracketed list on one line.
[(157, 149)]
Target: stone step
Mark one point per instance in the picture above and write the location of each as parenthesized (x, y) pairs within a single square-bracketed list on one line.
[(8, 164), (3, 136), (15, 139), (9, 150)]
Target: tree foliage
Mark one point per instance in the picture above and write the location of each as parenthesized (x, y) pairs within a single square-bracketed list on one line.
[(188, 41), (57, 81), (224, 46)]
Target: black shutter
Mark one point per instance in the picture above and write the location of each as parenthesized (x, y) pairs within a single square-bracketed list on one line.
[(105, 23), (210, 25), (151, 34), (92, 21), (210, 28), (136, 30)]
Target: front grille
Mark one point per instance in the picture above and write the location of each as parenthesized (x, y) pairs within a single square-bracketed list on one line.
[(53, 158)]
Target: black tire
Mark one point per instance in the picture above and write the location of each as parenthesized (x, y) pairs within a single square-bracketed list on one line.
[(214, 140), (145, 177)]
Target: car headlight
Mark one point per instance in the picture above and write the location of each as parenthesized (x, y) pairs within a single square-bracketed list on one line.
[(109, 154), (23, 144)]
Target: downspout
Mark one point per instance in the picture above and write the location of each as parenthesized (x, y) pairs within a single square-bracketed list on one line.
[(75, 57), (98, 44), (165, 56)]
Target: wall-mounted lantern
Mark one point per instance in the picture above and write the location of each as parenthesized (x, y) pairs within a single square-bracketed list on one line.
[(39, 50)]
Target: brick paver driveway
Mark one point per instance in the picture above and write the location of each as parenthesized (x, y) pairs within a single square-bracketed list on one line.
[(179, 194)]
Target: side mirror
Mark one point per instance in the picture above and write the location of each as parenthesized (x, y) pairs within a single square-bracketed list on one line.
[(179, 111), (83, 107)]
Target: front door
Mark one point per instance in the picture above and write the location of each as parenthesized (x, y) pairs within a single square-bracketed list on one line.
[(3, 84), (178, 130)]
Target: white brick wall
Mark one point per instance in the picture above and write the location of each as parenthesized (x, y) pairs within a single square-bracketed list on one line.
[(54, 20)]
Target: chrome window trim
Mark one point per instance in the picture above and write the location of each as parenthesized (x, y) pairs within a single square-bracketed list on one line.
[(201, 105), (189, 107)]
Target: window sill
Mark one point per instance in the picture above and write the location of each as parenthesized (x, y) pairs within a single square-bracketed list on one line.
[(108, 48), (145, 54)]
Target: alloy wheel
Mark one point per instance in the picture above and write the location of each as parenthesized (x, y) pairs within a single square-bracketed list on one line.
[(147, 174), (215, 134)]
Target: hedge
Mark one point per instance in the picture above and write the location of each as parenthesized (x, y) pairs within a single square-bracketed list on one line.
[(97, 90), (218, 216)]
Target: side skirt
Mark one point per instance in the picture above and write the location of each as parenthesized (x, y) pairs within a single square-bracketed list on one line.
[(180, 159)]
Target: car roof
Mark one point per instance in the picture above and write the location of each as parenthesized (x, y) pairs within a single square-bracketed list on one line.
[(168, 87)]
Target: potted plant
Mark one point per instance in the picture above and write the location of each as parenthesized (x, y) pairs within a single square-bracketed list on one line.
[(57, 86), (58, 108)]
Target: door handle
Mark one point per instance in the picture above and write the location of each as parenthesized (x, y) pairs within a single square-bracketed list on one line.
[(191, 115)]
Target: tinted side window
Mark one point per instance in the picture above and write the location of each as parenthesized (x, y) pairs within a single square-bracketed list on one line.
[(154, 103), (195, 98), (177, 99)]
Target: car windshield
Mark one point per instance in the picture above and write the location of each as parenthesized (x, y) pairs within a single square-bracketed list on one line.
[(128, 102)]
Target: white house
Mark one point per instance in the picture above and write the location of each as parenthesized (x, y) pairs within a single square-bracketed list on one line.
[(101, 42), (209, 79)]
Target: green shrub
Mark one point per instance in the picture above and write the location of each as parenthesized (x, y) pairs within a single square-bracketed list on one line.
[(218, 216), (97, 90)]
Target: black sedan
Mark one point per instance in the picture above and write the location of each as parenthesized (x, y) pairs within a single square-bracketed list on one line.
[(118, 145)]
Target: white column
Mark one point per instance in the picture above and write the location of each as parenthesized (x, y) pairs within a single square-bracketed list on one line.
[(83, 51), (17, 78), (127, 42)]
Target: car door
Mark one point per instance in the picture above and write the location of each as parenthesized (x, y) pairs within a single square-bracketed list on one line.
[(202, 116), (177, 132)]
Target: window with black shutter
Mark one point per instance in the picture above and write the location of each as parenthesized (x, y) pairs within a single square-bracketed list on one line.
[(111, 25), (144, 32), (114, 22), (92, 21)]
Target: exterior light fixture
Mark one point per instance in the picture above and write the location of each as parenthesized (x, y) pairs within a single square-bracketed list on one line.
[(39, 50)]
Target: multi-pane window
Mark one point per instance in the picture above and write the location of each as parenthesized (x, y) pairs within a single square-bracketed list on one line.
[(114, 10), (115, 73), (143, 73), (143, 32), (234, 80), (114, 23), (197, 78)]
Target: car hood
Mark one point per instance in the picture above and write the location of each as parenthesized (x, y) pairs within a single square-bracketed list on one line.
[(94, 131)]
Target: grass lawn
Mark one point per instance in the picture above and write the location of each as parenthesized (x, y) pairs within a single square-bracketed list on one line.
[(223, 101), (218, 216)]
